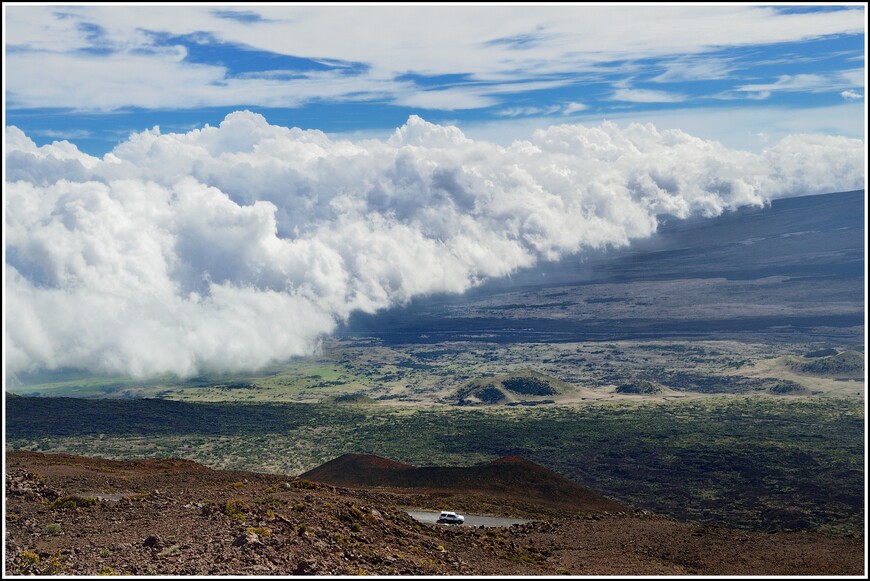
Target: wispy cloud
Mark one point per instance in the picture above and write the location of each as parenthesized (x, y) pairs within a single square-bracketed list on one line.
[(646, 96), (852, 95), (64, 133), (245, 16), (697, 68), (122, 56), (573, 107), (814, 83), (542, 111), (528, 111)]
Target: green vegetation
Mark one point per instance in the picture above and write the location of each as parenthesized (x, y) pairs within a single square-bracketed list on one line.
[(735, 460), (352, 399), (476, 392), (787, 387), (528, 554), (364, 371), (528, 386), (845, 364), (820, 353), (297, 381), (263, 532), (72, 502), (505, 388), (236, 508), (53, 529)]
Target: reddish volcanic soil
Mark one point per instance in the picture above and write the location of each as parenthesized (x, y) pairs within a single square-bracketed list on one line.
[(79, 516), (521, 486)]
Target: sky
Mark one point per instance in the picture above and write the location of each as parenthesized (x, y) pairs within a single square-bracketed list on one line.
[(216, 188), (744, 74)]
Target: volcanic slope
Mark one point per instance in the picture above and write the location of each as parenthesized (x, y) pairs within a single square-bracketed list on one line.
[(511, 478), (793, 269), (70, 515)]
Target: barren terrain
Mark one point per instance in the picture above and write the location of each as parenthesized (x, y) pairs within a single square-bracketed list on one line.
[(74, 515)]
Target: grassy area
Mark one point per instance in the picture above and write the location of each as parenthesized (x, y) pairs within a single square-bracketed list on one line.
[(446, 372), (303, 380), (751, 462)]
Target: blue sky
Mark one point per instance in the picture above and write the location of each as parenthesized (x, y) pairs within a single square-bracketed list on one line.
[(745, 75)]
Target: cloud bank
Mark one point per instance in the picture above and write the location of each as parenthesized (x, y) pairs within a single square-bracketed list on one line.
[(227, 248)]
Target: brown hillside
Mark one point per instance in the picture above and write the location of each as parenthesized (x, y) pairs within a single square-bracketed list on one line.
[(68, 515), (509, 477)]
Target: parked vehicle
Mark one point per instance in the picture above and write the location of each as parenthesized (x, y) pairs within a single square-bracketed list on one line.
[(447, 517)]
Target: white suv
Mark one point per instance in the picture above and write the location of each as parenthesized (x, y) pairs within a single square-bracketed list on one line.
[(450, 518)]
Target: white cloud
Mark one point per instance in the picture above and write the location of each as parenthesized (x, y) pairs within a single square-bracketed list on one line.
[(528, 111), (573, 107), (229, 247), (696, 69), (64, 133), (815, 83), (542, 111), (646, 96), (851, 95), (735, 127), (106, 57)]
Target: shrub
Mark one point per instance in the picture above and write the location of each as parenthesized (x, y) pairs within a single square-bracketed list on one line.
[(72, 502), (171, 550), (53, 529), (269, 501), (29, 563), (53, 567), (305, 484), (263, 532), (356, 511), (236, 508)]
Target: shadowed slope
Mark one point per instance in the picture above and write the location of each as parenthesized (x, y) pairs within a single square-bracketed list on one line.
[(512, 476)]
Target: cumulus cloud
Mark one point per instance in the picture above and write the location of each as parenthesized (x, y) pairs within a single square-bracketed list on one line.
[(851, 95), (230, 247)]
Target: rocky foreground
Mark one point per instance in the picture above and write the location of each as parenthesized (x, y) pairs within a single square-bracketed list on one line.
[(68, 515)]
